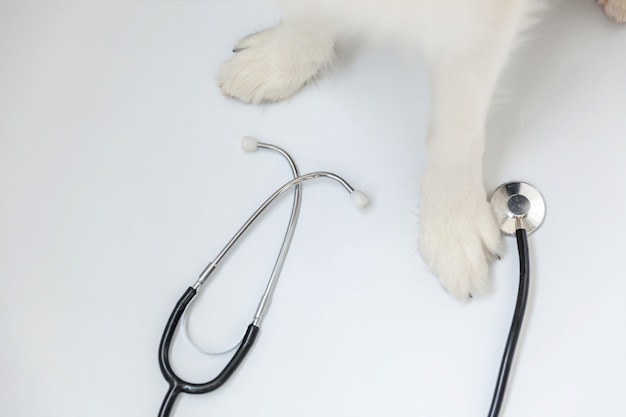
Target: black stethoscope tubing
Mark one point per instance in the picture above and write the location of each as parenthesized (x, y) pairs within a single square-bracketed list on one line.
[(179, 385), (516, 324)]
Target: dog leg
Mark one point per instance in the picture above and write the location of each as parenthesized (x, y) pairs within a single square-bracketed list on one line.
[(459, 236), (276, 63)]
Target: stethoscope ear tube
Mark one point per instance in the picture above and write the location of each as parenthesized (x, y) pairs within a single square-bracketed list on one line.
[(178, 385)]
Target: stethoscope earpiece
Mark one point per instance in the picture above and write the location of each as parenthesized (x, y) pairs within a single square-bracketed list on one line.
[(359, 199), (518, 205), (249, 144)]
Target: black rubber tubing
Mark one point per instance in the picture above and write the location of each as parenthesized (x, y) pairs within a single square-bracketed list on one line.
[(516, 324), (178, 385)]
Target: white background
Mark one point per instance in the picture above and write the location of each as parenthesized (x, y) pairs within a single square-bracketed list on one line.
[(121, 178)]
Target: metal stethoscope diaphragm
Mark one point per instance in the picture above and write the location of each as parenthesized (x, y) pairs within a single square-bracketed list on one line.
[(518, 205)]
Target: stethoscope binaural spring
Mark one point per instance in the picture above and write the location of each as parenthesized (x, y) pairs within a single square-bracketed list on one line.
[(178, 385)]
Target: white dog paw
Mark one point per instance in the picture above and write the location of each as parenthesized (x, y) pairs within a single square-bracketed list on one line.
[(459, 237), (275, 63), (615, 9)]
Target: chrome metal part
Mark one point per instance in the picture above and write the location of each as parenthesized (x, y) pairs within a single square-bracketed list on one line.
[(518, 205)]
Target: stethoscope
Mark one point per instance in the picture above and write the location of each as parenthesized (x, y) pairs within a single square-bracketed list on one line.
[(518, 206)]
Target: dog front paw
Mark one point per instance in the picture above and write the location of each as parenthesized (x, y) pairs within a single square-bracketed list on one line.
[(459, 236), (274, 64)]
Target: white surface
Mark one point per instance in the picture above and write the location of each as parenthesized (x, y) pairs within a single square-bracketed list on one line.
[(121, 177)]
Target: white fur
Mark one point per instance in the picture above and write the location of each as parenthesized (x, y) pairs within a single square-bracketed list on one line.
[(275, 63), (466, 43)]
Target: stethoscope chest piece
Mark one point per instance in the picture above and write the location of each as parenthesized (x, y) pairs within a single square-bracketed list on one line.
[(518, 205)]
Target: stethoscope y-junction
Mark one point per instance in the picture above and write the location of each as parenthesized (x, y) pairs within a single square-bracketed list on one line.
[(518, 206)]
